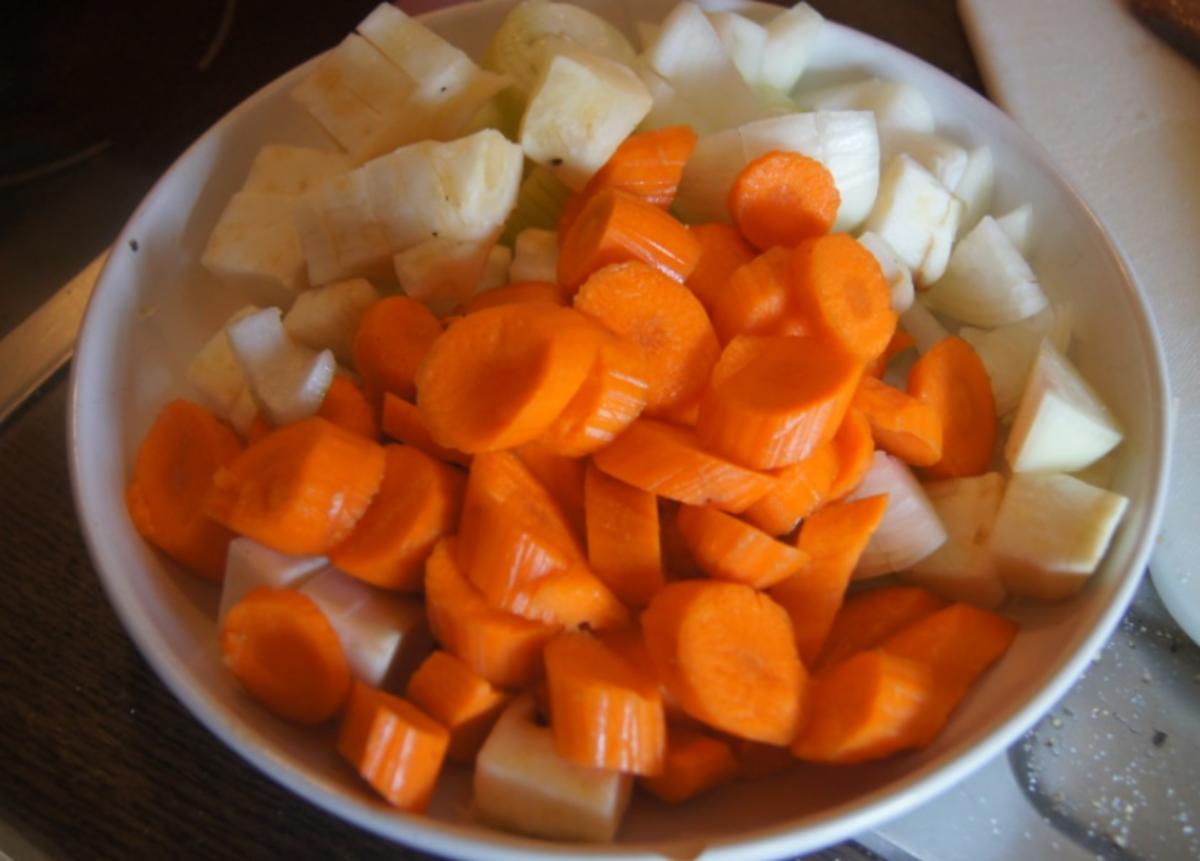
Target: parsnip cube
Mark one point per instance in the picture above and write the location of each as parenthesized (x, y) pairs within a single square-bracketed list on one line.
[(326, 318), (341, 235), (535, 256), (255, 245), (523, 785), (580, 110), (1051, 532), (214, 372), (442, 273), (249, 566), (288, 380), (495, 268), (283, 169), (898, 277), (918, 217)]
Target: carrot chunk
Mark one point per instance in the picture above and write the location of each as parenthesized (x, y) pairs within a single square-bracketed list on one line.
[(501, 647), (522, 293), (782, 198), (722, 252), (301, 489), (833, 538), (396, 748), (402, 421), (561, 476), (458, 698), (729, 549), (664, 320), (855, 449), (615, 227), (694, 763), (418, 502), (951, 379), (392, 338), (346, 405), (605, 711), (868, 618), (668, 461), (755, 297), (647, 165), (725, 652), (773, 401), (901, 424), (623, 537), (172, 473), (499, 377), (799, 488), (283, 650)]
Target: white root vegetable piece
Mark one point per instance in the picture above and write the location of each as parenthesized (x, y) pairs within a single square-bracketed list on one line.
[(284, 169), (523, 785), (668, 107), (326, 318), (214, 372), (495, 268), (1051, 532), (339, 232), (791, 36), (939, 155), (442, 273), (1008, 352), (255, 245), (898, 277), (925, 328), (250, 565), (384, 635), (963, 568), (646, 31), (288, 380), (1062, 425), (744, 42), (910, 529), (987, 282), (975, 187), (844, 141), (535, 256), (897, 106), (689, 55), (579, 111), (918, 217), (244, 412), (1018, 227)]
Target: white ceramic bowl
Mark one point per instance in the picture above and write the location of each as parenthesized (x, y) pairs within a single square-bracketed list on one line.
[(154, 307)]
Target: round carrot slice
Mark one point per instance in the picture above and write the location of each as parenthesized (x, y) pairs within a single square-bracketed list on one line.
[(392, 338), (952, 380), (782, 198)]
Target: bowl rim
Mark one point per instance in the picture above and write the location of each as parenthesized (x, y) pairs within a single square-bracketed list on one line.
[(464, 840)]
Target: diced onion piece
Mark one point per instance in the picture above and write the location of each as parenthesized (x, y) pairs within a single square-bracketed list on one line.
[(287, 379), (791, 36), (944, 158), (744, 42), (897, 106), (898, 277), (1018, 227), (249, 566), (925, 328), (910, 529), (1008, 351), (975, 187), (917, 215)]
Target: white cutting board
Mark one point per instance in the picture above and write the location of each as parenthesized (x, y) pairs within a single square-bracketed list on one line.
[(1120, 112)]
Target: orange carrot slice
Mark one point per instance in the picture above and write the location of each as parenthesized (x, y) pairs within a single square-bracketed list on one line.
[(647, 165), (755, 297), (501, 647), (729, 549), (346, 405), (855, 449), (726, 653), (623, 537), (561, 476), (402, 421), (839, 291), (900, 342), (301, 489), (393, 745), (951, 379), (458, 698), (782, 198), (866, 708), (283, 650), (605, 711), (694, 763), (957, 642), (799, 489), (668, 461), (773, 401), (499, 377), (664, 320), (615, 227), (522, 293), (722, 252), (574, 598), (902, 425), (868, 618), (393, 337), (172, 473), (833, 537), (418, 502)]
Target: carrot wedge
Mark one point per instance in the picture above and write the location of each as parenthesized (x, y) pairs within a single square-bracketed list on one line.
[(782, 198), (284, 651), (773, 401), (901, 424), (402, 421), (669, 461), (458, 698), (393, 745), (623, 543), (665, 322), (725, 652), (868, 618), (952, 380), (345, 404), (501, 647), (799, 488), (614, 227), (754, 298), (855, 448), (392, 338), (605, 711), (522, 293), (722, 252), (301, 489), (833, 537), (562, 476), (729, 549), (694, 763), (418, 502), (172, 473), (498, 378), (647, 165)]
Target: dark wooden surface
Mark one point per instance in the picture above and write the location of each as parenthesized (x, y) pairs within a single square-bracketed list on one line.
[(97, 758)]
